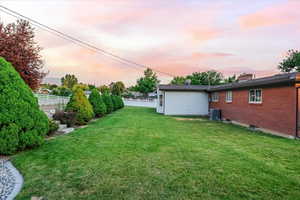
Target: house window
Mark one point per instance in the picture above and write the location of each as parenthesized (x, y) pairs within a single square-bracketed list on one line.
[(160, 100), (215, 97), (255, 96), (229, 96)]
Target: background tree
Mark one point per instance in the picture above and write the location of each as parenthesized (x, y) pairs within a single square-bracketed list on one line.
[(17, 46), (61, 91), (22, 123), (117, 88), (178, 80), (82, 86), (48, 86), (291, 62), (230, 79), (148, 83), (206, 78), (104, 89), (69, 81), (91, 87), (133, 88)]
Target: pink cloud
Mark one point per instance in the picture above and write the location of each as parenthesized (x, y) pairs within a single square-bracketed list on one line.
[(211, 55), (204, 34), (284, 13)]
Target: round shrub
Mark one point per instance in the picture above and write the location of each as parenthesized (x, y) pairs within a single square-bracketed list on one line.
[(108, 102), (81, 106), (53, 127), (22, 123), (96, 101), (61, 91), (120, 102), (68, 118), (115, 102)]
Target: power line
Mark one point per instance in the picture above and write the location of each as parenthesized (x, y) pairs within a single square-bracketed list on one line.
[(78, 41), (91, 49)]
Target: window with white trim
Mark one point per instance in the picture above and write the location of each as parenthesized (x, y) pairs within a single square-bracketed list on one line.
[(215, 97), (228, 96), (255, 96)]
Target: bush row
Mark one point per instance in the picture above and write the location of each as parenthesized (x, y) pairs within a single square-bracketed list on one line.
[(80, 109), (22, 123)]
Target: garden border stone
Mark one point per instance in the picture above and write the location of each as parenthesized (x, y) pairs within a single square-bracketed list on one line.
[(16, 178)]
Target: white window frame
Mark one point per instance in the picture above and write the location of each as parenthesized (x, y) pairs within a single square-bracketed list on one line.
[(255, 96), (228, 97), (215, 97)]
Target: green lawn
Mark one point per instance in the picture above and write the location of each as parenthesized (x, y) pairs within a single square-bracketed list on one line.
[(136, 153)]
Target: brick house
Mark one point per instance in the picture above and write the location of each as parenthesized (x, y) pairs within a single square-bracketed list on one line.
[(269, 104)]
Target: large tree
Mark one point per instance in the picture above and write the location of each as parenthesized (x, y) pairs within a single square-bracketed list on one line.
[(206, 78), (17, 46), (178, 80), (69, 81), (104, 89), (230, 79), (117, 88), (291, 62), (147, 83)]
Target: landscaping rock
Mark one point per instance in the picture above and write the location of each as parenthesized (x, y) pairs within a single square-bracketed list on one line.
[(10, 180), (62, 127), (36, 198), (67, 130)]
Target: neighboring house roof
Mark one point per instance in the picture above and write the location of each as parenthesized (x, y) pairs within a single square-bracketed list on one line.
[(279, 79)]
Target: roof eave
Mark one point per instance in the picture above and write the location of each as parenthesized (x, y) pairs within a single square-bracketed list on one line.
[(263, 84)]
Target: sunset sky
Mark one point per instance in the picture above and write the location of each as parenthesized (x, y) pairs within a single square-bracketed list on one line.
[(173, 36)]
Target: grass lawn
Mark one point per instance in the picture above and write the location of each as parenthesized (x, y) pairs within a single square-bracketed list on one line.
[(138, 154)]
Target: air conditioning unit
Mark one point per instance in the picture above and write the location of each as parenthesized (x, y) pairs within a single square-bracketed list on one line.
[(215, 114)]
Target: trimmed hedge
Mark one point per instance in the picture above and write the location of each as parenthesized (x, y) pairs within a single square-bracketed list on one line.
[(98, 104), (116, 103), (52, 127), (22, 123), (108, 102), (81, 106), (121, 102)]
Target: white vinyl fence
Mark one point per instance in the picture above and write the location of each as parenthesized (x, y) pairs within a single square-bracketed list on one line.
[(150, 103), (50, 103), (46, 99)]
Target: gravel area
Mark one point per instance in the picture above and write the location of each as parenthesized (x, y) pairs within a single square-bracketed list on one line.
[(10, 180)]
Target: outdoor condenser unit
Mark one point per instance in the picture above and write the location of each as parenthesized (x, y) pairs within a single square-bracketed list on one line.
[(215, 114)]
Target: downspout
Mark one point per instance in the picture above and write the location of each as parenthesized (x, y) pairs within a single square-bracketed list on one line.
[(297, 85), (297, 103)]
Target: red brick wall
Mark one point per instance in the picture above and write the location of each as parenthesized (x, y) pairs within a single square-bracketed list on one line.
[(277, 111)]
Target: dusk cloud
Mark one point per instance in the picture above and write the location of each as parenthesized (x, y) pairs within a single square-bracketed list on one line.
[(173, 36), (277, 14)]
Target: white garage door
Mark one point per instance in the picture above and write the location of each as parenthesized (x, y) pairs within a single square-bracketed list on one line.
[(186, 103)]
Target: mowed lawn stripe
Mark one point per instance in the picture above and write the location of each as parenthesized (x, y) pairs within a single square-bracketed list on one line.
[(136, 153)]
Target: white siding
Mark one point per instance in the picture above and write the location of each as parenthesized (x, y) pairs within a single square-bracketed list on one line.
[(185, 103)]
